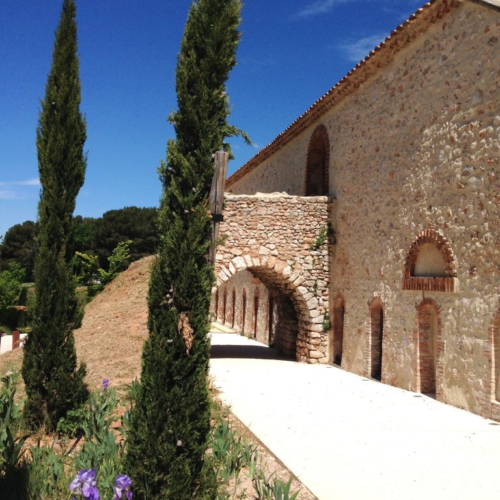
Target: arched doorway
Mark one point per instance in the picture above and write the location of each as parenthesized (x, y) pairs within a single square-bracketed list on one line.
[(255, 322), (318, 158), (338, 330), (233, 307), (376, 340), (243, 311), (270, 320), (224, 305), (427, 345)]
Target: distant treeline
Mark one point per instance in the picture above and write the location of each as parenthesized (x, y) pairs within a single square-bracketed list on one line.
[(98, 236)]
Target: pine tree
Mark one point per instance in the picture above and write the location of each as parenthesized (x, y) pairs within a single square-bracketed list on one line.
[(170, 421), (54, 384)]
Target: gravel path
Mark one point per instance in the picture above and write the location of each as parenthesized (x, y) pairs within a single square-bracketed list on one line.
[(348, 437)]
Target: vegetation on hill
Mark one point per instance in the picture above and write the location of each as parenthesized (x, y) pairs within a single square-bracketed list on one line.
[(93, 236), (18, 245)]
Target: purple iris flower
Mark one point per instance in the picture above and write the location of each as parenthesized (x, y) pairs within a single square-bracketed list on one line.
[(105, 383), (85, 484), (122, 486)]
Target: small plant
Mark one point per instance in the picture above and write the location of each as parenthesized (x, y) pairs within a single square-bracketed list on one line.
[(94, 277), (325, 234), (327, 324), (72, 425), (221, 240), (11, 448), (47, 471), (271, 488)]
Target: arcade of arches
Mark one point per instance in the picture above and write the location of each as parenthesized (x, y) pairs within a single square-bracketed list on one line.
[(272, 286)]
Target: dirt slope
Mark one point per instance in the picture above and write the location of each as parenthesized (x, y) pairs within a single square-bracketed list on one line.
[(115, 326)]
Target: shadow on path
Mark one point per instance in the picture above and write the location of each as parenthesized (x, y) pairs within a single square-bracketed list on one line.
[(247, 351)]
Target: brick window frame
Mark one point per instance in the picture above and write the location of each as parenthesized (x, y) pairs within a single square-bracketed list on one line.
[(319, 135), (448, 283)]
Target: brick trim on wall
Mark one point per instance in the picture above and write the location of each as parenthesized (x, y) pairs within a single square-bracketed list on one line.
[(438, 284)]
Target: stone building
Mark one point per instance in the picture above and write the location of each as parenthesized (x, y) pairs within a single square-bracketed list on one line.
[(380, 249)]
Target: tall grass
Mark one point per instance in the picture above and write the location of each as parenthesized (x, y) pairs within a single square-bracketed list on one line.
[(94, 437)]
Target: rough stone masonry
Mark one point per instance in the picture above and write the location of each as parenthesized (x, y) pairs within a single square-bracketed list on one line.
[(408, 146)]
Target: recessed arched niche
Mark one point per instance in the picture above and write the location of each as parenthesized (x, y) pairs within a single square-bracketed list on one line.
[(430, 264), (318, 159)]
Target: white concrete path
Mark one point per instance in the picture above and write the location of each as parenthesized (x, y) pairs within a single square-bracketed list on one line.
[(347, 437)]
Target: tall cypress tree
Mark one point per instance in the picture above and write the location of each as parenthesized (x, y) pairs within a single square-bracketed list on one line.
[(54, 384), (170, 421)]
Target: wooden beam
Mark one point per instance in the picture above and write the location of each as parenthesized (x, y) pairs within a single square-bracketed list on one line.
[(216, 200)]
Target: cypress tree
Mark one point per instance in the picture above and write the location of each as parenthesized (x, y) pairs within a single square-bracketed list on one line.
[(54, 384), (170, 421)]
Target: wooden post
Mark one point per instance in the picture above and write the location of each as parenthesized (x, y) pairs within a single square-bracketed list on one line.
[(216, 199), (15, 339)]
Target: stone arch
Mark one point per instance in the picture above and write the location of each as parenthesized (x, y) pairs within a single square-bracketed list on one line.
[(428, 370), (318, 161), (337, 330), (376, 339), (296, 327), (423, 271)]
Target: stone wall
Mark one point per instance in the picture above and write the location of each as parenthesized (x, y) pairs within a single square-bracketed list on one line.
[(415, 149), (281, 242)]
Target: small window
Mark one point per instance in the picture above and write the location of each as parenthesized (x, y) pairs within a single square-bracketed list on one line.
[(430, 264)]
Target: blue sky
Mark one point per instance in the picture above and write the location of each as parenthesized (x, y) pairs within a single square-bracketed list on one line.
[(291, 53)]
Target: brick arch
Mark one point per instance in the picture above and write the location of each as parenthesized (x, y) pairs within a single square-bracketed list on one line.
[(429, 348), (291, 302), (376, 334), (448, 283), (318, 162)]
